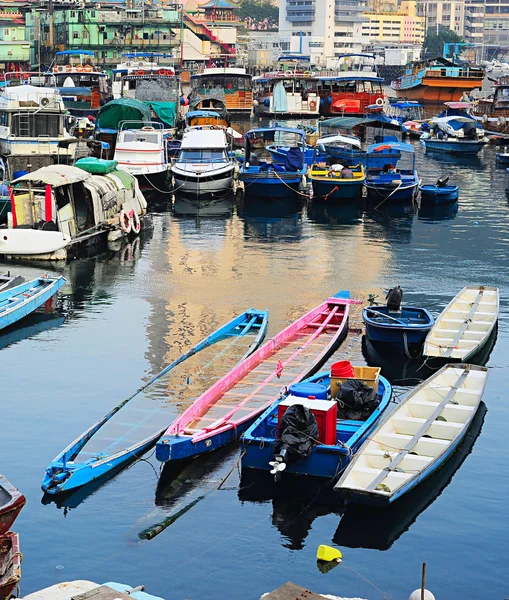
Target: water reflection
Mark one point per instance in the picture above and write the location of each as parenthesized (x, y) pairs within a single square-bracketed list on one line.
[(30, 326), (327, 213), (192, 207), (442, 212)]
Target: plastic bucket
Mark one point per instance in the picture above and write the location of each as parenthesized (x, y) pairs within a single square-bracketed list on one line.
[(305, 390), (342, 369)]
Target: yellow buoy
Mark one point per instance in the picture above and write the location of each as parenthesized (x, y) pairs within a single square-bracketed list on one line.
[(328, 554)]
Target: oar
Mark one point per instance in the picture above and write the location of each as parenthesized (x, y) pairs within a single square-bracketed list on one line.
[(388, 316)]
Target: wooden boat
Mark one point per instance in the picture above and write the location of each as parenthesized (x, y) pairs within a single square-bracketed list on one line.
[(439, 194), (20, 301), (326, 460), (409, 325), (11, 503), (234, 81), (7, 281), (415, 439), (226, 410), (465, 325), (110, 444), (10, 564)]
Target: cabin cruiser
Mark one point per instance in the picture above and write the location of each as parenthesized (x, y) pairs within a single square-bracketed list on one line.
[(203, 165), (33, 120)]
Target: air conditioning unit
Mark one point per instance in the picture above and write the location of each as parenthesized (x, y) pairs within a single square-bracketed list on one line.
[(9, 52)]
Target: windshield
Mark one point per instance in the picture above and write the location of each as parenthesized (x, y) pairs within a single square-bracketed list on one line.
[(203, 156)]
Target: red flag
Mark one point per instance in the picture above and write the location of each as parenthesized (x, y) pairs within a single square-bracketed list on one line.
[(279, 369)]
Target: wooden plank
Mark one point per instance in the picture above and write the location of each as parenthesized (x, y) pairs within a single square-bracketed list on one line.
[(420, 432)]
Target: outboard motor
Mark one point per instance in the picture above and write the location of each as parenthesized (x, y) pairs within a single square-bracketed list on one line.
[(394, 299), (442, 181)]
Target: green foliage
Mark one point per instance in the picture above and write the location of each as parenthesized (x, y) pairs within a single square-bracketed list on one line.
[(259, 14), (434, 43)]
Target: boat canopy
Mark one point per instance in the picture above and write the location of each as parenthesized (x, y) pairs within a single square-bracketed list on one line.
[(345, 122), (74, 52), (339, 139), (56, 175), (296, 57), (166, 111), (401, 146), (197, 114), (348, 55), (203, 139), (123, 109), (75, 91), (408, 104), (459, 105), (455, 122)]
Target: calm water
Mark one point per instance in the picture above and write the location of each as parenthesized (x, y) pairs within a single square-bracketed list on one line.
[(122, 317)]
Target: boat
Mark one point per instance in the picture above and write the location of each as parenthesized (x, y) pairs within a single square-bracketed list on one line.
[(440, 193), (409, 113), (84, 87), (221, 414), (352, 87), (8, 281), (204, 165), (12, 501), (286, 93), (233, 82), (20, 301), (493, 110), (332, 178), (454, 135), (142, 150), (207, 111), (83, 590), (502, 158), (58, 211), (388, 182), (10, 564), (465, 325), (404, 327), (137, 68), (113, 442), (35, 120), (330, 456), (261, 175), (437, 80), (416, 438)]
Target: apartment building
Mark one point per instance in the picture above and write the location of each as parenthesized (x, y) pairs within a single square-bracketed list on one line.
[(402, 25)]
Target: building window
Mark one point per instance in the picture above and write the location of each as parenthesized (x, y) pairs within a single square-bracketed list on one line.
[(75, 35), (85, 35)]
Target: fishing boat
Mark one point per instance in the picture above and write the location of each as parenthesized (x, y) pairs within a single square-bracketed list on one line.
[(207, 111), (204, 165), (261, 175), (440, 193), (137, 68), (388, 182), (10, 564), (493, 110), (454, 135), (416, 438), (83, 86), (234, 83), (437, 80), (12, 501), (465, 325), (339, 437), (18, 302), (9, 281), (404, 327), (225, 410), (113, 442), (352, 87), (332, 178), (82, 589), (142, 150)]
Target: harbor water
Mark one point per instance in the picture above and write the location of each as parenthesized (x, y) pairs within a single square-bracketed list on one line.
[(210, 531)]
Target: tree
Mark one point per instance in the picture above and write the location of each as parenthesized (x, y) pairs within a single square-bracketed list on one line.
[(434, 42), (259, 14)]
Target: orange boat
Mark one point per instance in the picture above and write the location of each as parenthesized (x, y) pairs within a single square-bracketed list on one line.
[(437, 81)]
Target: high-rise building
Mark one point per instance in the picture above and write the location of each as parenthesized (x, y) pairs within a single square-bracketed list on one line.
[(445, 14)]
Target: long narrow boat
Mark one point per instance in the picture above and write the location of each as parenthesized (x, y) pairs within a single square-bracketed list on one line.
[(465, 325), (10, 564), (415, 439), (20, 301), (226, 410), (112, 443), (11, 503), (326, 460)]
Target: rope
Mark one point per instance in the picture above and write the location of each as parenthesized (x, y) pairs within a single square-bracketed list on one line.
[(290, 187)]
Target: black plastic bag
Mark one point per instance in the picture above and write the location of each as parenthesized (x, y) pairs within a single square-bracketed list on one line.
[(356, 400), (298, 433)]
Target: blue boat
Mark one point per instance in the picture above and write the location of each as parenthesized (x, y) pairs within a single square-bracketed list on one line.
[(325, 460), (263, 177), (440, 193), (110, 444), (388, 182), (502, 158), (402, 328), (18, 302), (455, 135)]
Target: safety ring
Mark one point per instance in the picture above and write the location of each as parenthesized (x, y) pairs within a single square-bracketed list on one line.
[(379, 101), (125, 222), (135, 222)]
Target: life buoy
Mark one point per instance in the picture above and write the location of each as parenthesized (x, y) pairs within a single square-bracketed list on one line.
[(124, 221), (312, 105), (162, 72), (289, 73), (88, 68), (147, 128), (307, 73), (379, 101), (140, 72), (79, 68), (68, 68), (55, 69), (135, 222)]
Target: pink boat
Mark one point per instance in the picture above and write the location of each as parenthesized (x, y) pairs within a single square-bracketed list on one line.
[(228, 408)]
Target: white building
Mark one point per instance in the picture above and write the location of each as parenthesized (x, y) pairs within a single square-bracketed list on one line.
[(446, 14)]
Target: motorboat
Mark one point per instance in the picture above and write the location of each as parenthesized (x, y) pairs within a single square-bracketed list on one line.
[(454, 135)]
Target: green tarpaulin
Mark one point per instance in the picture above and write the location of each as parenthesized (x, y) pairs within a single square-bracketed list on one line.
[(123, 109), (165, 111)]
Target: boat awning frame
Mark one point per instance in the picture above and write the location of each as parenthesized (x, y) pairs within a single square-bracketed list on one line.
[(56, 175), (341, 139)]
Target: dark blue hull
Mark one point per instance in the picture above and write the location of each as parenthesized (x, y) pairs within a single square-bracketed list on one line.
[(381, 193), (408, 327), (432, 194)]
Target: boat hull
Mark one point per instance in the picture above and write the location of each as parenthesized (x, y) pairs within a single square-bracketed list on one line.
[(387, 331), (453, 147), (203, 184), (337, 190), (10, 510), (10, 564), (434, 195), (270, 185), (158, 181), (379, 193), (439, 90)]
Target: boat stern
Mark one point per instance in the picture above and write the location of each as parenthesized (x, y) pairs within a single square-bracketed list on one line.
[(34, 243)]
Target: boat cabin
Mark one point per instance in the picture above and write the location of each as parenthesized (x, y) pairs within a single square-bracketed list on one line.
[(290, 93), (136, 67), (406, 110), (234, 83)]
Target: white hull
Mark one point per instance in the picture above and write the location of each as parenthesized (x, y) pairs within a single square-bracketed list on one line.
[(213, 181), (464, 325), (415, 439), (31, 242)]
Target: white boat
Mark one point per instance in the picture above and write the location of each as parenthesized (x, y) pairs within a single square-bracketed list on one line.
[(33, 120), (142, 150), (465, 324), (203, 165), (416, 438), (59, 210)]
